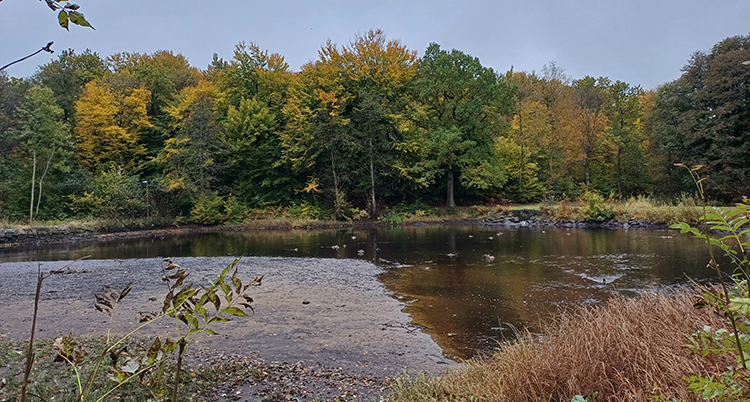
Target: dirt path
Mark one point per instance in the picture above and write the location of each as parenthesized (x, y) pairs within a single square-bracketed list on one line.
[(316, 315)]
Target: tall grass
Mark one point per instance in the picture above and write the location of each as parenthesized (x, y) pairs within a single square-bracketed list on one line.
[(629, 350), (685, 208)]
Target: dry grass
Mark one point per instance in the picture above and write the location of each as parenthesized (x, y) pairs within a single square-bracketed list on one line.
[(630, 350), (684, 209)]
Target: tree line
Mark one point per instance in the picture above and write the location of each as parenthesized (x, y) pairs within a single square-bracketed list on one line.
[(366, 126)]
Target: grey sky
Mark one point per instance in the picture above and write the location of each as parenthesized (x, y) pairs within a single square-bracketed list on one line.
[(642, 42)]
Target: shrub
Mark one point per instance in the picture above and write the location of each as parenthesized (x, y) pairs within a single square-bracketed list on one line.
[(304, 210), (596, 208), (235, 210), (208, 210), (112, 196)]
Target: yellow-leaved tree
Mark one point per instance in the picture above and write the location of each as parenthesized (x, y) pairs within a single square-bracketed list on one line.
[(108, 127)]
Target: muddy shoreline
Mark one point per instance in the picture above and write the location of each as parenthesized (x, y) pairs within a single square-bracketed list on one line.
[(34, 236), (49, 235), (331, 315)]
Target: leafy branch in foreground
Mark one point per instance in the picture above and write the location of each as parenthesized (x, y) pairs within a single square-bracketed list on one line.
[(68, 13), (194, 309), (198, 307), (727, 229)]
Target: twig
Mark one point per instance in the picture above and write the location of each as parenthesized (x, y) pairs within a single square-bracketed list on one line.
[(46, 49)]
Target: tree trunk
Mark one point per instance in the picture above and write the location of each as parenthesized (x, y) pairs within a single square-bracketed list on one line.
[(373, 206), (41, 180), (586, 171), (521, 142), (336, 206), (619, 173), (33, 182), (450, 202)]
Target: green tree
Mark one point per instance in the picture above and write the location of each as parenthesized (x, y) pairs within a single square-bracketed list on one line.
[(43, 134), (252, 73), (380, 73), (256, 85), (461, 118), (255, 151), (623, 107), (316, 141), (68, 75), (703, 118), (111, 194), (189, 159)]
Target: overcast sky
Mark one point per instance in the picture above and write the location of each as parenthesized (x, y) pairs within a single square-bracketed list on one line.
[(642, 42)]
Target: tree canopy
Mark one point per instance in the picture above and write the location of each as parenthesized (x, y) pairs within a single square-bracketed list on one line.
[(366, 126)]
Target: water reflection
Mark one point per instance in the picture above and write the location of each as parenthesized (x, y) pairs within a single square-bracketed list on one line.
[(465, 301)]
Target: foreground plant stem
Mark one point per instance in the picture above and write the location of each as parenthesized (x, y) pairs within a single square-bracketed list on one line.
[(715, 263), (180, 354), (30, 352)]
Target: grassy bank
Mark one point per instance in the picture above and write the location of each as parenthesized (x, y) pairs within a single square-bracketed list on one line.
[(630, 350), (641, 209)]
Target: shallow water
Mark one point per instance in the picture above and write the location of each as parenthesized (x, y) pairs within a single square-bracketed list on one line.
[(467, 301)]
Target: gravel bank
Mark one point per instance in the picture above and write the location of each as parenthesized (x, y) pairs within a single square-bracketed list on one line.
[(328, 314)]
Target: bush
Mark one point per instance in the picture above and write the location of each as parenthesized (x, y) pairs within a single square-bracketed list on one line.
[(596, 209), (236, 212), (304, 210), (113, 196), (208, 210), (403, 211)]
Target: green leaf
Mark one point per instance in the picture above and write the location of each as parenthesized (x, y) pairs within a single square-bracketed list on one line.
[(202, 311), (78, 19), (169, 346), (63, 19), (192, 320), (236, 282), (184, 294), (119, 376), (213, 298), (224, 273), (234, 311), (740, 305), (226, 289)]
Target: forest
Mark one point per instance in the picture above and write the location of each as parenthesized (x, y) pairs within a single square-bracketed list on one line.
[(367, 126)]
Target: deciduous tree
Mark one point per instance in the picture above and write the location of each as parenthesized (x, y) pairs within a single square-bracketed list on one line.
[(43, 134), (463, 102), (189, 158), (108, 127)]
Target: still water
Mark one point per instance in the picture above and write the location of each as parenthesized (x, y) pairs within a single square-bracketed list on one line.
[(468, 286)]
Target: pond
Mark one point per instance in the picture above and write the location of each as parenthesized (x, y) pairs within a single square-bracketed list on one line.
[(469, 286)]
